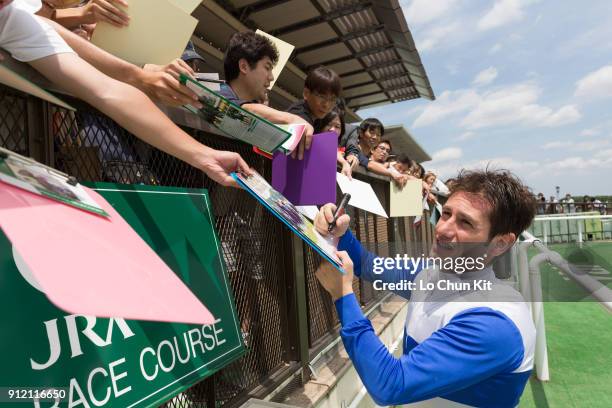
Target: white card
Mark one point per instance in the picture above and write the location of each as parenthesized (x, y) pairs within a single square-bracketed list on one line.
[(362, 195)]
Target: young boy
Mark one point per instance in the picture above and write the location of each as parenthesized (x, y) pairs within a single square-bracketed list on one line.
[(321, 90), (248, 62)]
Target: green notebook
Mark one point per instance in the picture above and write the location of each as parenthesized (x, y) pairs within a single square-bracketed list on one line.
[(234, 121)]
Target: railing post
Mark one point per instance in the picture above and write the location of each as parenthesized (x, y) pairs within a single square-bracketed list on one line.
[(301, 305)]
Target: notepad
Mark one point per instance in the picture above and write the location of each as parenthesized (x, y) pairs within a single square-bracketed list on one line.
[(310, 181), (157, 33), (284, 52), (276, 203), (28, 174), (234, 121), (362, 195), (406, 202), (91, 265)]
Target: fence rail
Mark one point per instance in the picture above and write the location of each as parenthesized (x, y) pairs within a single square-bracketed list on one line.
[(286, 317), (576, 227)]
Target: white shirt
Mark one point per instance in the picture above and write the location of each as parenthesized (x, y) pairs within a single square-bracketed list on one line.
[(30, 5), (27, 37)]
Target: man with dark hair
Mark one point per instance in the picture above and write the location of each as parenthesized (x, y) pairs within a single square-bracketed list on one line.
[(360, 143), (401, 163), (249, 59), (381, 151), (321, 91), (471, 346), (359, 140)]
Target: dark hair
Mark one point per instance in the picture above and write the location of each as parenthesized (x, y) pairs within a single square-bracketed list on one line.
[(335, 112), (250, 46), (421, 169), (385, 141), (512, 203), (372, 124), (323, 80), (404, 159)]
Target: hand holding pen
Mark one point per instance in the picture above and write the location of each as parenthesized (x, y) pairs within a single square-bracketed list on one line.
[(325, 217), (339, 211)]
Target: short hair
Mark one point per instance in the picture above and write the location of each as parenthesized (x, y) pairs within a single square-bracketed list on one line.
[(250, 46), (404, 159), (385, 141), (335, 112), (513, 205), (372, 123), (323, 80)]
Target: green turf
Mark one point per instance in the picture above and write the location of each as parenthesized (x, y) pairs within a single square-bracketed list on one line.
[(578, 336)]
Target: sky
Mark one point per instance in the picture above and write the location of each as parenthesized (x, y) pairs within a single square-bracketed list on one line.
[(524, 85)]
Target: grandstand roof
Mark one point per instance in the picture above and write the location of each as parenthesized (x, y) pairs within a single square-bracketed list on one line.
[(366, 42)]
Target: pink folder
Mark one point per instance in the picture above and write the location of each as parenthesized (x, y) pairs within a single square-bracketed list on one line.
[(92, 265)]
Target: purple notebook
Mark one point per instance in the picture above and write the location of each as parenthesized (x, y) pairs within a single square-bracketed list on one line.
[(311, 181)]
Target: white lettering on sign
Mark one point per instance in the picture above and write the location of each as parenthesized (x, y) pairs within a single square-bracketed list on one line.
[(74, 338), (168, 352)]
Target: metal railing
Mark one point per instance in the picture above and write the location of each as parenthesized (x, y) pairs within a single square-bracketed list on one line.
[(575, 227), (286, 317)]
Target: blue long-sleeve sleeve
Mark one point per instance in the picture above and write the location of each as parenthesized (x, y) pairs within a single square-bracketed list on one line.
[(476, 344), (366, 265)]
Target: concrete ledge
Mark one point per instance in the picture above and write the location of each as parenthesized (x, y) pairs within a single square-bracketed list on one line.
[(337, 382)]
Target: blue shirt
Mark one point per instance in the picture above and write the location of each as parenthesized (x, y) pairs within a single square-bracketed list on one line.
[(228, 93), (476, 353)]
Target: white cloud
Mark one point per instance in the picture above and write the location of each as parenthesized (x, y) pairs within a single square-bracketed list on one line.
[(432, 36), (583, 43), (466, 136), (485, 77), (451, 168), (557, 145), (447, 103), (590, 132), (425, 11), (604, 154), (517, 105), (597, 84), (502, 13), (449, 153), (577, 146), (579, 163), (509, 105), (494, 49)]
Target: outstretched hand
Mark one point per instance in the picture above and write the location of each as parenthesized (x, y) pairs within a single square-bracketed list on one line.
[(162, 87), (219, 164), (105, 10), (305, 142)]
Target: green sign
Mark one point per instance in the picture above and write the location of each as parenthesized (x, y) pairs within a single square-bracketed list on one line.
[(115, 362)]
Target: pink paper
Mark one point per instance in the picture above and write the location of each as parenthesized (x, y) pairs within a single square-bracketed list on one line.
[(90, 265)]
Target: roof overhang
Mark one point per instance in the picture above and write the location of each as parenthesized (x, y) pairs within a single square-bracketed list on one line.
[(366, 42), (403, 142)]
